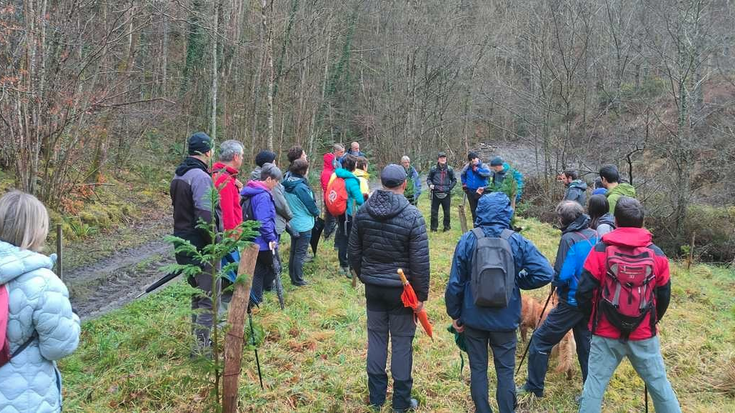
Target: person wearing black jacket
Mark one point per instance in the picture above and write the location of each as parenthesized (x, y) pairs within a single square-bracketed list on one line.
[(441, 181), (387, 234)]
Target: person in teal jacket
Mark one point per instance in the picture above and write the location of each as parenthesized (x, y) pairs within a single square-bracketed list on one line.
[(354, 200), (42, 327), (300, 199)]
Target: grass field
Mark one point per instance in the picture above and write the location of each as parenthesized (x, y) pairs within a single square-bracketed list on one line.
[(313, 354)]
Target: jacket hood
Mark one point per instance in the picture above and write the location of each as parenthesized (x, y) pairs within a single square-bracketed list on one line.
[(359, 173), (583, 222), (254, 188), (15, 262), (578, 184), (385, 204), (628, 237), (255, 174), (191, 163), (293, 180), (494, 210), (219, 166), (329, 161), (608, 219), (344, 173), (623, 189)]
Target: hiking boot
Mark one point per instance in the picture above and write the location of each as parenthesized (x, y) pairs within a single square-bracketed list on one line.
[(522, 391), (346, 272), (447, 229), (414, 405), (433, 230)]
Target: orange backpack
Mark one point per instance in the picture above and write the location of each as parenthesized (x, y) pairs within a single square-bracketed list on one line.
[(336, 197)]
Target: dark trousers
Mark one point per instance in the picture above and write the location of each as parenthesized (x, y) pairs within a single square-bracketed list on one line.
[(387, 318), (503, 345), (263, 275), (560, 320), (341, 240), (446, 208), (201, 304), (330, 222), (473, 197), (297, 257)]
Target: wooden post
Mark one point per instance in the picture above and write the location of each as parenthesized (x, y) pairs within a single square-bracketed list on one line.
[(691, 251), (235, 335), (59, 252), (462, 214)]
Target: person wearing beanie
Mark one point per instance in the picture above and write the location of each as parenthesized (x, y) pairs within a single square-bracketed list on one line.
[(188, 191), (441, 181), (283, 211), (388, 233), (511, 187), (474, 178)]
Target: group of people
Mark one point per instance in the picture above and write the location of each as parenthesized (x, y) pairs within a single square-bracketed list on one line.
[(611, 283)]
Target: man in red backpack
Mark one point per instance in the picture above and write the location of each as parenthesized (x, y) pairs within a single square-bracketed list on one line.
[(626, 288)]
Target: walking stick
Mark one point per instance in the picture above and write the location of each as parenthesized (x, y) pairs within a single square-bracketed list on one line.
[(257, 359), (525, 352), (645, 391)]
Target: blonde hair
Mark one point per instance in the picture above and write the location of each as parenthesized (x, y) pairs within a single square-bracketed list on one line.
[(23, 221)]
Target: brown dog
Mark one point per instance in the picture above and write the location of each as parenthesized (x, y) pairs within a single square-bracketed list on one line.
[(565, 350)]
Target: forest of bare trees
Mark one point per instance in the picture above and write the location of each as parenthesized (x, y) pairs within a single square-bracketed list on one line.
[(648, 85)]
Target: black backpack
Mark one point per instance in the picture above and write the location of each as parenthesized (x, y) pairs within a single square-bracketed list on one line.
[(247, 208), (492, 278)]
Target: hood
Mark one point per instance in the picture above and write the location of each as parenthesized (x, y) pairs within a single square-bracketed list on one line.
[(255, 174), (623, 189), (583, 222), (359, 173), (329, 161), (629, 237), (293, 180), (191, 163), (219, 166), (254, 188), (344, 173), (578, 184), (385, 204), (15, 262), (494, 210), (608, 219)]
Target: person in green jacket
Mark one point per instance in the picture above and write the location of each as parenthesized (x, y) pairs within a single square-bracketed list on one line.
[(354, 200), (615, 190)]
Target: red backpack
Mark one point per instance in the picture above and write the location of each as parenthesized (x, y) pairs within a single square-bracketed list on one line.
[(627, 293), (336, 197)]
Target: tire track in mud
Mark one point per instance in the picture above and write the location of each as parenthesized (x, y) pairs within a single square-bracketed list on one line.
[(113, 282)]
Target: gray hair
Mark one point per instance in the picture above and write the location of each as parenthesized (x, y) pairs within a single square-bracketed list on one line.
[(23, 221), (270, 171), (337, 148), (569, 211), (406, 159), (228, 150)]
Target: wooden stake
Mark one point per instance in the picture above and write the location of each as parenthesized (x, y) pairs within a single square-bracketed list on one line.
[(59, 252), (691, 251), (235, 336), (463, 215)]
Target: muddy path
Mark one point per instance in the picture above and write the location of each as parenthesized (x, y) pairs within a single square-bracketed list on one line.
[(117, 277)]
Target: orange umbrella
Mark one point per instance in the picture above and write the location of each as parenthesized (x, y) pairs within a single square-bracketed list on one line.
[(409, 300)]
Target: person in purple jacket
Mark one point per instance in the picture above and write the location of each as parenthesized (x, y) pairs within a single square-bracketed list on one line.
[(258, 205)]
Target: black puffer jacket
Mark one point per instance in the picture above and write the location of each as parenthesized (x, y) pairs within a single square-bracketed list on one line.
[(387, 234)]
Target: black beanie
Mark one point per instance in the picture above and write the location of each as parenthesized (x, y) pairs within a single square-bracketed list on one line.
[(471, 156), (264, 157), (199, 143)]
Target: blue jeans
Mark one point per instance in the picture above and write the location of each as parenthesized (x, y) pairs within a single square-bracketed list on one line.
[(645, 356), (297, 256), (503, 345), (560, 320)]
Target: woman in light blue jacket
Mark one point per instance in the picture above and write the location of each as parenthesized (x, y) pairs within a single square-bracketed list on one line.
[(301, 201), (40, 315)]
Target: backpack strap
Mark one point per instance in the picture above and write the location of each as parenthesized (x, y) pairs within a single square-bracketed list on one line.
[(506, 234), (479, 233), (25, 345)]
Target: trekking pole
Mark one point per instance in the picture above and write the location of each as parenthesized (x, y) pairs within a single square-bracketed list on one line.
[(257, 360), (645, 392), (525, 352)]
